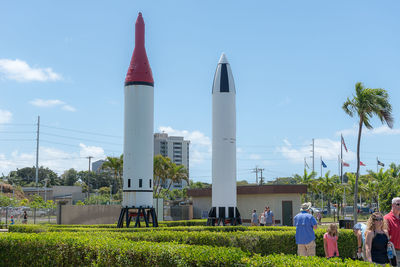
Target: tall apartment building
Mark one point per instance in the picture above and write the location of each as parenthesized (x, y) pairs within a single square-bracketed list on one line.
[(174, 147)]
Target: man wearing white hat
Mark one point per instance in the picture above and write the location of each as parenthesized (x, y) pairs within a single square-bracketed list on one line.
[(305, 237)]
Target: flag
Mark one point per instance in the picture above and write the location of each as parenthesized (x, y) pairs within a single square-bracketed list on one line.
[(362, 164), (345, 164), (323, 164), (343, 143), (381, 163)]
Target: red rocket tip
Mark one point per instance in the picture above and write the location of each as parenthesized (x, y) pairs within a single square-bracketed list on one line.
[(139, 71)]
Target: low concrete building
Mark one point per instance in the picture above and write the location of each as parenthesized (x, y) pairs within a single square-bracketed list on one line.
[(69, 194), (283, 200)]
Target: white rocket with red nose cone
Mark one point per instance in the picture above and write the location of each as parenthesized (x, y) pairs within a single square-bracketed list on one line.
[(138, 127), (224, 145)]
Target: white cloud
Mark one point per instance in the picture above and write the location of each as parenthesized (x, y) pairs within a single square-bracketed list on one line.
[(93, 151), (20, 71), (53, 158), (381, 130), (255, 156), (326, 148), (5, 116), (49, 103), (68, 108), (200, 144)]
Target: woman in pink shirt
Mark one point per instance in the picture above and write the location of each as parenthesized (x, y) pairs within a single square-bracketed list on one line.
[(330, 241)]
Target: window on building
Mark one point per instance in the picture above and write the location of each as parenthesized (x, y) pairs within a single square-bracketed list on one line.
[(140, 183)]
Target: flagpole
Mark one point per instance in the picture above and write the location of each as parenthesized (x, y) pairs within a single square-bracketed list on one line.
[(321, 166), (341, 173)]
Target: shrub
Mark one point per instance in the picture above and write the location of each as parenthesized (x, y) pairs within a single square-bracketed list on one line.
[(85, 249)]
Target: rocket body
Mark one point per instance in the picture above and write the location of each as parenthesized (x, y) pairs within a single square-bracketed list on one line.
[(223, 138), (138, 127)]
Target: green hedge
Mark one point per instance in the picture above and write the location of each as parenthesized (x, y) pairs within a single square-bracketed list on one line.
[(262, 241), (84, 228), (84, 249)]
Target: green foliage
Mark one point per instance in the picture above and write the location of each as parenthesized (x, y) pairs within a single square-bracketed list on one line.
[(97, 200), (80, 203), (37, 202), (26, 176), (7, 201), (104, 190), (86, 249), (259, 240)]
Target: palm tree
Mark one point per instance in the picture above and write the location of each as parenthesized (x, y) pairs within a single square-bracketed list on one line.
[(160, 171), (327, 186), (366, 103), (115, 165), (176, 174), (305, 179)]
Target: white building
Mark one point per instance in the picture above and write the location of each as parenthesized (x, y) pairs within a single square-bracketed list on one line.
[(175, 148)]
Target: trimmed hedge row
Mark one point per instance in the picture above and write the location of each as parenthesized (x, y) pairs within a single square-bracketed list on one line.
[(84, 249), (85, 228), (260, 242), (252, 239)]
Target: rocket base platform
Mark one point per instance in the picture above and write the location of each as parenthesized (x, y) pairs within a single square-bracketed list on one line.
[(233, 217), (137, 213)]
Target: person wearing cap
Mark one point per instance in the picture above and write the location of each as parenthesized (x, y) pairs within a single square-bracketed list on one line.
[(359, 231), (269, 217), (305, 237), (393, 222)]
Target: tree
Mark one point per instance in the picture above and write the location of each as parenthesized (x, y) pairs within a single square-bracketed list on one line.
[(366, 103), (69, 177), (176, 174), (160, 172), (26, 176), (115, 165), (306, 179)]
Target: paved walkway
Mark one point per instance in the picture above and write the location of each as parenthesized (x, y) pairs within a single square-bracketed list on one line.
[(3, 230)]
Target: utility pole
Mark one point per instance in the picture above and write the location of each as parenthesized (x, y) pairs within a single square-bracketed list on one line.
[(90, 159), (261, 178), (256, 171), (313, 154), (37, 156)]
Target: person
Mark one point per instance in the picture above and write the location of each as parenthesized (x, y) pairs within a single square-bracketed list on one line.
[(12, 220), (25, 220), (393, 221), (330, 241), (319, 217), (269, 217), (359, 232), (262, 218), (376, 239), (305, 237), (254, 218)]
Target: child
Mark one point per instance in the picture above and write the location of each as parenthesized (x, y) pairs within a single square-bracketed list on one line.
[(330, 241), (12, 220)]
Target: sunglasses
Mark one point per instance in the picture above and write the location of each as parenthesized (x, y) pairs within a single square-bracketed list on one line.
[(378, 219)]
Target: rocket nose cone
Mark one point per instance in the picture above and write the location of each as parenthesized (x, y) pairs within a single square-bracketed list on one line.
[(223, 59), (140, 19)]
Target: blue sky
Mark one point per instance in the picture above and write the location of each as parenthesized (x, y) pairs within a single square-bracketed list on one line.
[(294, 64)]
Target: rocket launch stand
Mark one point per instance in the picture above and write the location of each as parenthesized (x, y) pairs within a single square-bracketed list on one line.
[(137, 213), (232, 219)]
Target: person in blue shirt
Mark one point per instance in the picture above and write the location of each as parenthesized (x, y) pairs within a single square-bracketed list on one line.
[(305, 237)]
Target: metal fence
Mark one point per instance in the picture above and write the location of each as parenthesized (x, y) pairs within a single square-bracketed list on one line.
[(15, 215)]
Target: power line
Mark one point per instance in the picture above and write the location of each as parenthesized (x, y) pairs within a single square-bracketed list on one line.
[(84, 132), (78, 138)]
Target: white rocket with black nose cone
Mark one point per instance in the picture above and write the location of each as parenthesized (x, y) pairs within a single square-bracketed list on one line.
[(224, 207)]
